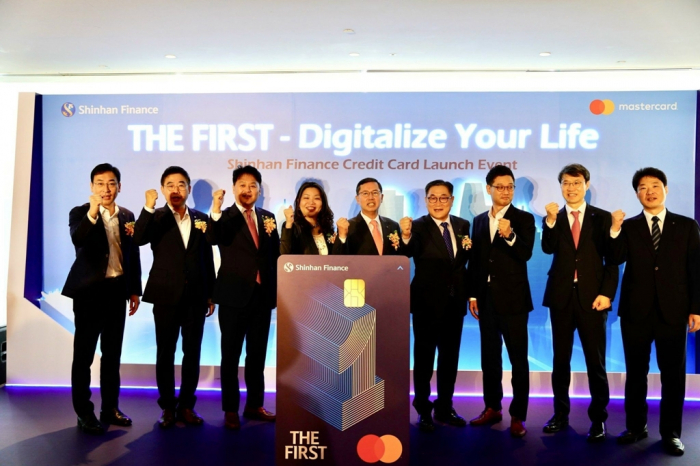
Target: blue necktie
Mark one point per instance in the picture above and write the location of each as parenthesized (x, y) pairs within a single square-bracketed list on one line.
[(448, 239)]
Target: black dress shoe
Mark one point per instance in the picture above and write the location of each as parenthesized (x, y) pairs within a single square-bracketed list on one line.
[(596, 433), (191, 417), (451, 418), (555, 424), (115, 417), (167, 418), (425, 423), (631, 436), (673, 446), (90, 425)]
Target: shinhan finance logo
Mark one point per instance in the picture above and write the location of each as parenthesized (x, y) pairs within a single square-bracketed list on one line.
[(386, 448), (288, 267), (68, 109), (602, 107)]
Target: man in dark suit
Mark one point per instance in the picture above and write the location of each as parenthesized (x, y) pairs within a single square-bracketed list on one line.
[(105, 276), (180, 287), (246, 292), (439, 245), (368, 233), (581, 284), (503, 238), (659, 302)]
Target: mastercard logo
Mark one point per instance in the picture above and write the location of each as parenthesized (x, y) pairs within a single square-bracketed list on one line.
[(386, 448), (602, 107)]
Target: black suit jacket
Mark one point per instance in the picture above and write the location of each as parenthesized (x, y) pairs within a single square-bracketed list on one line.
[(92, 253), (671, 274), (436, 273), (597, 274), (297, 241), (507, 265), (241, 260), (175, 267), (360, 241)]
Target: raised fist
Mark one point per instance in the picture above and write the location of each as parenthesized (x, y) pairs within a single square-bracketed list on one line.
[(504, 228), (343, 226), (552, 210), (95, 202), (406, 223), (617, 217), (151, 197), (289, 216), (217, 201)]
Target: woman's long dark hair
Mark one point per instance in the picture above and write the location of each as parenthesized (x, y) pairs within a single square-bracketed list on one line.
[(324, 219)]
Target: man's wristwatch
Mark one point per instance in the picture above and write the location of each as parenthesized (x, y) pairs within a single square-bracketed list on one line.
[(511, 236)]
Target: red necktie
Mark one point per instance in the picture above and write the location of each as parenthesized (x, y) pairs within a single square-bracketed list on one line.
[(377, 236), (576, 233), (254, 234)]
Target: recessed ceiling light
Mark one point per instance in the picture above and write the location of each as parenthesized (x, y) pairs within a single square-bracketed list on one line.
[(170, 56), (545, 54), (349, 31), (621, 61), (393, 54), (354, 54)]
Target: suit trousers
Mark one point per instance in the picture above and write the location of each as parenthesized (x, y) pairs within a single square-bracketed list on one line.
[(441, 330), (99, 313), (591, 330), (495, 329), (186, 318), (251, 323), (670, 341)]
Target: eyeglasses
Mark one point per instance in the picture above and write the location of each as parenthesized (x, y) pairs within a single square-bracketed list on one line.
[(366, 194), (574, 184), (101, 185), (500, 188), (435, 199), (181, 186)]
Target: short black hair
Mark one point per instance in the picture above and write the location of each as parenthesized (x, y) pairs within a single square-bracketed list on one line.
[(498, 170), (576, 170), (247, 170), (173, 171), (104, 168), (444, 183), (647, 171), (367, 180)]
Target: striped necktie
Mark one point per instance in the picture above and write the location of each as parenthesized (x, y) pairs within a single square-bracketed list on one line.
[(655, 232)]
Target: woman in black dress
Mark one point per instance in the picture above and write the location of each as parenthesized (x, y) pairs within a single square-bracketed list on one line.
[(309, 225)]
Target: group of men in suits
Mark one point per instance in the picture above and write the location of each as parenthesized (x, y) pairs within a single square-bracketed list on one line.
[(182, 286), (485, 273)]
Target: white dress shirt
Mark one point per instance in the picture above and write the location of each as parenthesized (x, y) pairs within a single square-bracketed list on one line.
[(111, 224), (183, 224)]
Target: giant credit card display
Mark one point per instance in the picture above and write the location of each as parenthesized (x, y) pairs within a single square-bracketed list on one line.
[(342, 360)]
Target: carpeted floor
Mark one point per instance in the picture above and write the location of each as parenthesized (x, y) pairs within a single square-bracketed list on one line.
[(37, 428)]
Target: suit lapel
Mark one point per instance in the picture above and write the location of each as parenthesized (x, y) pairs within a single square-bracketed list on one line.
[(642, 228), (362, 229), (236, 212), (436, 236), (563, 222), (587, 225), (388, 247), (668, 232), (169, 217), (192, 236), (262, 234), (123, 237)]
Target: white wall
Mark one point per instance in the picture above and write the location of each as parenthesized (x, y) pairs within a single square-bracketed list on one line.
[(323, 82)]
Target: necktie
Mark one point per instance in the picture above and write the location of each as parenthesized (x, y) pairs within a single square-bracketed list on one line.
[(377, 236), (253, 233), (655, 232), (448, 240), (576, 233)]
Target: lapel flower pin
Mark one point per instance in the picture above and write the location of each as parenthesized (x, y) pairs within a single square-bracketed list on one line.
[(394, 238), (330, 238), (129, 228), (466, 241), (269, 224), (200, 225)]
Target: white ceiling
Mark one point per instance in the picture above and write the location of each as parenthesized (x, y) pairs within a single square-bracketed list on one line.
[(66, 37)]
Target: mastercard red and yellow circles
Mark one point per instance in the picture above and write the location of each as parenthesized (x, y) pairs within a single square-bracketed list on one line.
[(386, 448), (602, 107)]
